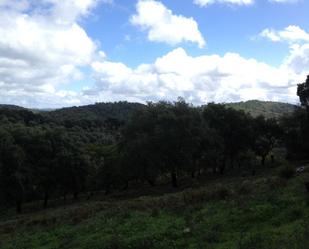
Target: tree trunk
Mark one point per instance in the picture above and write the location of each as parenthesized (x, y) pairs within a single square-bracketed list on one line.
[(263, 160), (18, 207), (195, 167), (239, 164), (75, 195), (222, 168), (199, 171), (232, 162), (126, 186), (151, 182), (174, 179), (193, 174), (46, 197), (107, 189), (214, 170)]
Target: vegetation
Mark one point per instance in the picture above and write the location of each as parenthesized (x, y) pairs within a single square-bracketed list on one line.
[(52, 155), (255, 212), (267, 109), (235, 159)]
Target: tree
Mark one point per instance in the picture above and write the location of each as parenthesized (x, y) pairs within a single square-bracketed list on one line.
[(234, 128), (104, 168), (14, 174), (211, 149), (267, 132), (296, 134), (303, 93), (161, 138), (297, 126)]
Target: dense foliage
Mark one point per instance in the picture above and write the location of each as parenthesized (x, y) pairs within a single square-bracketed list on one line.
[(55, 154), (107, 146)]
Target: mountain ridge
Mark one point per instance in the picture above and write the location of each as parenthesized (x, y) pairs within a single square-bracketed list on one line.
[(122, 110)]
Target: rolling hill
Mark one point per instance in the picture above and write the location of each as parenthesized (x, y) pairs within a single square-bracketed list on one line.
[(97, 114), (268, 109)]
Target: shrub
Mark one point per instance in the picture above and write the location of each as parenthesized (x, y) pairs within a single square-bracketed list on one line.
[(212, 235), (287, 171), (306, 183), (255, 241), (276, 182), (221, 193), (245, 188)]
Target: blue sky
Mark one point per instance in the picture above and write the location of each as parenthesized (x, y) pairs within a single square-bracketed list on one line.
[(73, 52), (225, 27)]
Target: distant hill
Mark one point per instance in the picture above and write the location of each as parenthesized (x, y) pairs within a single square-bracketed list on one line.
[(17, 114), (89, 116), (11, 107), (99, 114), (268, 109), (37, 110), (117, 110), (93, 115)]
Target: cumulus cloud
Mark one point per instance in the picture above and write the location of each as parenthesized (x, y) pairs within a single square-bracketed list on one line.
[(298, 60), (41, 46), (68, 11), (199, 79), (14, 4), (164, 26), (284, 1), (290, 34), (204, 3)]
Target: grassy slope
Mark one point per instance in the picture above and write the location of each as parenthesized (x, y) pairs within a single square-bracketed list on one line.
[(241, 213), (268, 109)]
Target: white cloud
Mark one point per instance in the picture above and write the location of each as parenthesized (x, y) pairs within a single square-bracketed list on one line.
[(298, 60), (41, 50), (68, 11), (270, 34), (14, 4), (42, 46), (199, 79), (164, 26), (204, 3), (284, 1), (290, 34)]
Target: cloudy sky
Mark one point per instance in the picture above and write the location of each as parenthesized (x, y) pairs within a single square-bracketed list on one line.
[(56, 53)]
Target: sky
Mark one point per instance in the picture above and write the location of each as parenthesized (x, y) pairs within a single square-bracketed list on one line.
[(58, 53)]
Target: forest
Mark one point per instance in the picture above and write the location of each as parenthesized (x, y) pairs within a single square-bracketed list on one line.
[(108, 146)]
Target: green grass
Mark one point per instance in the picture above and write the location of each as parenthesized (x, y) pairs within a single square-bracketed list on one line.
[(253, 213)]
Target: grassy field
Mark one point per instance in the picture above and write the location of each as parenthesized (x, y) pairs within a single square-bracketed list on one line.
[(262, 212)]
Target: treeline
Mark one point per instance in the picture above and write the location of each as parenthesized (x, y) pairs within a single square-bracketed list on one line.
[(44, 156)]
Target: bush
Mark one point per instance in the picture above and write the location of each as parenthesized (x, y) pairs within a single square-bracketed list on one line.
[(307, 186), (276, 182), (255, 241), (245, 188), (287, 171), (306, 183), (221, 193)]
